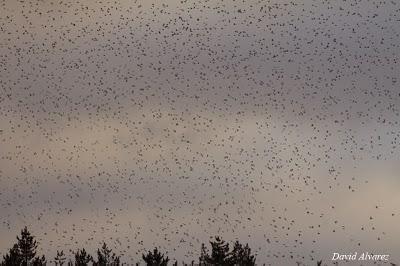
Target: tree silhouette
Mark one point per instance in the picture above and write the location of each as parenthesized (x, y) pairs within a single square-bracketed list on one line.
[(27, 247), (60, 258), (203, 255), (106, 258), (23, 252), (39, 261), (82, 258), (221, 256), (219, 252), (241, 256), (13, 258), (155, 258)]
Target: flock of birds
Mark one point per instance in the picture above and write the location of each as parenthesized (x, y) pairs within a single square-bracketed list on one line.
[(164, 123)]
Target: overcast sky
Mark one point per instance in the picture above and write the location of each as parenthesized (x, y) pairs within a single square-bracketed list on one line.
[(165, 123)]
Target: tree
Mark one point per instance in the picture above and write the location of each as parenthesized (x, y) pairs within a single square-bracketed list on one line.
[(220, 255), (219, 252), (24, 251), (60, 258), (82, 258), (155, 258), (203, 255), (39, 261), (241, 256), (27, 247), (106, 258), (13, 258)]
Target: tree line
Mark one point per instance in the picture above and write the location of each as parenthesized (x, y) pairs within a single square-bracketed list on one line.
[(24, 253)]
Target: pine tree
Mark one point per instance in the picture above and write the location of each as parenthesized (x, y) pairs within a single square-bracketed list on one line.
[(219, 253), (60, 258), (13, 258), (23, 253), (39, 261), (241, 256), (106, 258), (27, 247), (82, 258), (203, 255), (155, 258)]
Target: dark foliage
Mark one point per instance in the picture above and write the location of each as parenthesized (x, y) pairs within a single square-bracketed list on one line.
[(59, 260), (82, 258), (23, 252), (203, 255), (39, 261), (155, 258), (105, 257), (220, 254), (13, 257), (242, 255), (27, 246)]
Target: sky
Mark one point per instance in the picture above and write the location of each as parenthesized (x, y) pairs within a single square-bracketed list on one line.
[(166, 123)]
